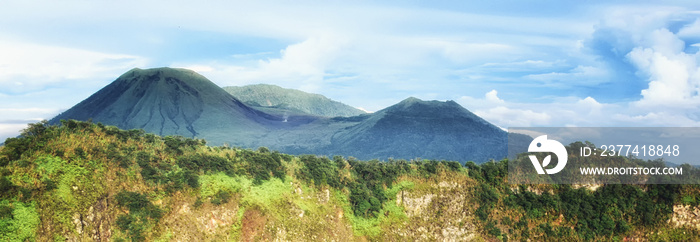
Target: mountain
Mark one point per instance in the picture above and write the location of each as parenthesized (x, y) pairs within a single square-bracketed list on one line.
[(413, 128), (271, 98), (427, 129), (168, 101)]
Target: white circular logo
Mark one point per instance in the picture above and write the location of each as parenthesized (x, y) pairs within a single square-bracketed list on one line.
[(542, 144)]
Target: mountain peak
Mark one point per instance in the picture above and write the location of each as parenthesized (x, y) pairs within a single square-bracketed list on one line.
[(411, 100), (160, 70), (450, 130), (153, 74), (433, 107), (165, 101)]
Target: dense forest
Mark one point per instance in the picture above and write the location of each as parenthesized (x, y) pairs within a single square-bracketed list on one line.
[(85, 181)]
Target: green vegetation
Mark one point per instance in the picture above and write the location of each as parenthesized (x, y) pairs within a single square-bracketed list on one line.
[(141, 217), (82, 181), (18, 221), (608, 212), (277, 100)]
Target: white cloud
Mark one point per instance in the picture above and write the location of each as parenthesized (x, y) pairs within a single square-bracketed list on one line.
[(640, 19), (590, 107), (13, 120), (373, 54), (302, 65), (492, 97), (691, 30), (658, 119), (526, 65), (580, 75), (672, 74), (493, 109), (572, 112), (507, 117), (10, 130), (558, 112), (27, 113), (26, 67)]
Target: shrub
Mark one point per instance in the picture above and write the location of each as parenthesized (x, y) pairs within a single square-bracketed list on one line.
[(18, 222), (492, 229), (8, 188), (320, 170), (141, 213), (204, 162), (264, 164), (453, 165), (221, 197)]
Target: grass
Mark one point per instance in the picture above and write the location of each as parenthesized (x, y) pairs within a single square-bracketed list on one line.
[(218, 182), (391, 216), (267, 195), (21, 223)]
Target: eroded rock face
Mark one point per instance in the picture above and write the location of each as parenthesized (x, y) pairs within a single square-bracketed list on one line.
[(208, 222), (440, 213), (685, 216), (95, 224), (415, 206)]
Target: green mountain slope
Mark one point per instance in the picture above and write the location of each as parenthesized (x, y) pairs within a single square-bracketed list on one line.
[(168, 101), (460, 134), (273, 98), (89, 182)]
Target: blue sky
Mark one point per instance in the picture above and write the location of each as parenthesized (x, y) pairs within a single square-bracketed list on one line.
[(540, 63)]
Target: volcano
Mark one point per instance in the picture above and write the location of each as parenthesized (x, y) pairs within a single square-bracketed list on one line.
[(170, 101)]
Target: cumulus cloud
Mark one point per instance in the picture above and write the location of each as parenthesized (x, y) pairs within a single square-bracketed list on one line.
[(495, 110), (492, 97), (672, 74), (663, 65), (572, 112)]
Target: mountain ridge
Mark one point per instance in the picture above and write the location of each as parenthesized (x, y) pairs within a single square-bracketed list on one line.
[(268, 97), (169, 101)]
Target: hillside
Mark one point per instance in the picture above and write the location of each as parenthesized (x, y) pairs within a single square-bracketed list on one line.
[(271, 98), (405, 129), (168, 101), (89, 182)]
